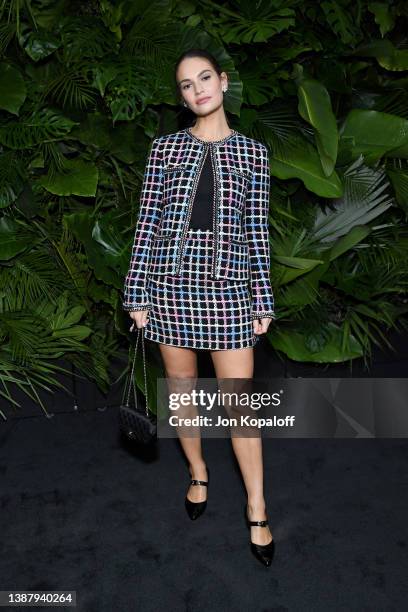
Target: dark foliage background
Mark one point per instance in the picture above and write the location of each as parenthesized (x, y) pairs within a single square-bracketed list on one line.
[(83, 89)]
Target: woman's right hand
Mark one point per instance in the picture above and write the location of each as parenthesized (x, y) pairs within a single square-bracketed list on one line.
[(140, 317)]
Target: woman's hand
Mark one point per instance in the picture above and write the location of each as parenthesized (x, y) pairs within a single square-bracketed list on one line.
[(140, 317), (261, 325)]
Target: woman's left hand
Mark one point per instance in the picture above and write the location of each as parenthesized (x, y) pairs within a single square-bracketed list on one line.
[(261, 325)]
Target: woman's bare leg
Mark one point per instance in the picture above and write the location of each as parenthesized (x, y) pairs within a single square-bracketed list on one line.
[(180, 365), (248, 451)]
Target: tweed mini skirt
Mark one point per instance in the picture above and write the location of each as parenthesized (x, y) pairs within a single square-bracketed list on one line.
[(193, 310)]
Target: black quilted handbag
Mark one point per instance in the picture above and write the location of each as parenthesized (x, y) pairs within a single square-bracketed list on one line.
[(137, 423)]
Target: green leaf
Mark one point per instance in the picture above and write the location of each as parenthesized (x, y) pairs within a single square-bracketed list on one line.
[(44, 125), (383, 16), (11, 241), (300, 263), (295, 267), (122, 140), (103, 73), (374, 133), (315, 108), (299, 347), (85, 36), (399, 180), (388, 56), (339, 20), (365, 198), (248, 26), (104, 262), (11, 178), (38, 44), (347, 242), (128, 93), (80, 178), (302, 161), (12, 89)]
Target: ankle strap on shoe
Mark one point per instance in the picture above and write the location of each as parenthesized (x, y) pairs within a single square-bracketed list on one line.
[(199, 482), (258, 523)]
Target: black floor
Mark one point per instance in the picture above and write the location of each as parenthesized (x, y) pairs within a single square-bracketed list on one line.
[(80, 511)]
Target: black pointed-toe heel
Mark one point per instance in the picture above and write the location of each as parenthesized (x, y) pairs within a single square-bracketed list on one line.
[(263, 552), (195, 509)]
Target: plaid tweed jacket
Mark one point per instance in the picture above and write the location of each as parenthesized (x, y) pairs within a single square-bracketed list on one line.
[(240, 205)]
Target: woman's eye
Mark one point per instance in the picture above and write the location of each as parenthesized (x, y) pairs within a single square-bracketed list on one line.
[(208, 76)]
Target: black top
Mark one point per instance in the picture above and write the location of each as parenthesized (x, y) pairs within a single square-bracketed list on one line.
[(202, 212)]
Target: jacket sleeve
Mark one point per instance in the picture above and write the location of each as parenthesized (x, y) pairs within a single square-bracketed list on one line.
[(257, 234), (135, 294)]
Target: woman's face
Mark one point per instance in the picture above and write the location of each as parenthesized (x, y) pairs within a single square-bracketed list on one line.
[(200, 85)]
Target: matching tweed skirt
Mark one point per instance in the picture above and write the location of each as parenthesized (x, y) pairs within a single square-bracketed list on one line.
[(193, 310)]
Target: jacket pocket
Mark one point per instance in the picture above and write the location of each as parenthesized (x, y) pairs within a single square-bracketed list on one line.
[(164, 236), (174, 168), (234, 262), (175, 183), (163, 253), (234, 184), (238, 171)]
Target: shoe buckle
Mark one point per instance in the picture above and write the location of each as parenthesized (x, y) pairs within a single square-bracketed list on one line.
[(199, 482), (259, 523)]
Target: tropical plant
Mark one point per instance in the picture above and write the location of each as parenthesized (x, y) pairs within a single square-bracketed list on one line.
[(83, 89)]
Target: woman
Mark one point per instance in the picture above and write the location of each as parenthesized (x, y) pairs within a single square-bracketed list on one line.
[(199, 271)]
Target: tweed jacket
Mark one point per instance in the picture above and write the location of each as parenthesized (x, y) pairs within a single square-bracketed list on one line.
[(240, 215)]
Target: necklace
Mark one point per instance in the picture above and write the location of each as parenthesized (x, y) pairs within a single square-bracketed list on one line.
[(233, 133)]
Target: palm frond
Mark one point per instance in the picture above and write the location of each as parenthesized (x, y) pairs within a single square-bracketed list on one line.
[(366, 196), (84, 37), (279, 125), (70, 88), (7, 32), (12, 174), (43, 125)]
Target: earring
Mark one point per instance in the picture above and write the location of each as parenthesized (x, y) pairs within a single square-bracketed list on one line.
[(185, 104)]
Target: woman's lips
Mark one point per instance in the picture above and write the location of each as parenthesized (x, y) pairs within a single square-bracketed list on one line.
[(204, 100)]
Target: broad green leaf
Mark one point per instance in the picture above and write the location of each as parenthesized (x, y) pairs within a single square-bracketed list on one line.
[(80, 178), (123, 140), (38, 44), (388, 56), (300, 263), (397, 61), (105, 233), (11, 242), (315, 108), (295, 267), (399, 152), (339, 20), (294, 344), (374, 133), (82, 226), (12, 89), (64, 321), (103, 73), (302, 161), (383, 16), (248, 26)]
